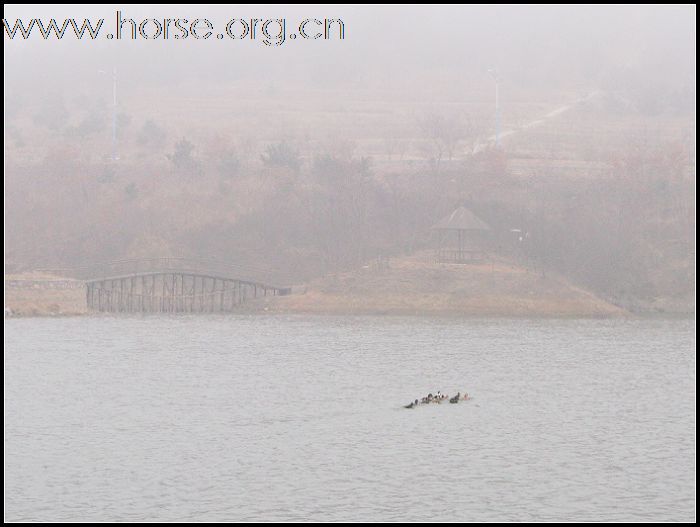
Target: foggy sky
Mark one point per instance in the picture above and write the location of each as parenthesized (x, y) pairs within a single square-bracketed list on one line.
[(533, 46)]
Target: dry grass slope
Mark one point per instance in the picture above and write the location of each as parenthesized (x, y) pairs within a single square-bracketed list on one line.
[(416, 286)]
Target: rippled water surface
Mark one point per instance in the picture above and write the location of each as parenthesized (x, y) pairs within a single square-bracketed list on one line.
[(294, 418)]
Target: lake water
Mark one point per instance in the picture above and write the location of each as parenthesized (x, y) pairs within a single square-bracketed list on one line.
[(301, 418)]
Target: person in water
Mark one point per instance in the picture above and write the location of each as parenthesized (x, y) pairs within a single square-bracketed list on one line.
[(411, 405)]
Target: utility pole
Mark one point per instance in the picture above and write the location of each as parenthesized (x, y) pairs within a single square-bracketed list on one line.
[(497, 80), (115, 156), (114, 115)]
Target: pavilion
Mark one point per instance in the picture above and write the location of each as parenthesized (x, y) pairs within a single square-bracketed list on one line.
[(461, 237)]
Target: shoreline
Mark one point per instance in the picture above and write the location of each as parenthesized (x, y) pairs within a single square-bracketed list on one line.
[(407, 287), (629, 315)]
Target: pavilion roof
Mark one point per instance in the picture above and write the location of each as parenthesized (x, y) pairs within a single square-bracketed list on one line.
[(462, 219)]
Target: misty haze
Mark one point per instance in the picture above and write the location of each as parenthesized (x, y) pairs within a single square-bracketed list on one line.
[(349, 263)]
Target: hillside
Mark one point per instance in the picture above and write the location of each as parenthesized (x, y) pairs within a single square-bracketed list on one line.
[(603, 187), (417, 286)]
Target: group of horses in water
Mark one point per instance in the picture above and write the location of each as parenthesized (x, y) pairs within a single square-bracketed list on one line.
[(438, 398)]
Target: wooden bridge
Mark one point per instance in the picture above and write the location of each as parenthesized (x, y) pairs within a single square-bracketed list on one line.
[(171, 285)]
